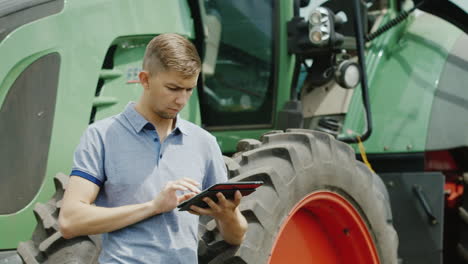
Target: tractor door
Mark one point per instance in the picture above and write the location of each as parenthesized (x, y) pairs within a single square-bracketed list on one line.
[(240, 65)]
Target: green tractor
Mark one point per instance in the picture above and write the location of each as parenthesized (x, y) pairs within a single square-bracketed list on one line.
[(296, 92)]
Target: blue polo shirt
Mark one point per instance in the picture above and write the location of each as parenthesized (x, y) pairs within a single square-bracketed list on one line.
[(124, 156)]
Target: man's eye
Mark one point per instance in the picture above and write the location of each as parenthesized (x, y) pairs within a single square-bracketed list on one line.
[(172, 89), (190, 90)]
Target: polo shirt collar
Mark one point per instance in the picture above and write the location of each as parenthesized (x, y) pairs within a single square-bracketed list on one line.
[(138, 122), (180, 125)]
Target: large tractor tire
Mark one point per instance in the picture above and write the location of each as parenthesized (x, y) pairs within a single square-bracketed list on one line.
[(338, 210), (462, 230), (47, 244), (318, 205)]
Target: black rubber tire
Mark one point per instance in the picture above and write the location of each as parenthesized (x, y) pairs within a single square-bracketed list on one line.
[(47, 244), (285, 162), (462, 230), (292, 165)]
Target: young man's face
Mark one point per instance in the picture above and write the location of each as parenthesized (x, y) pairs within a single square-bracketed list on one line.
[(168, 92)]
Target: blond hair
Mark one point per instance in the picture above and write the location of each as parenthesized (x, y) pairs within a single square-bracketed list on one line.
[(171, 51)]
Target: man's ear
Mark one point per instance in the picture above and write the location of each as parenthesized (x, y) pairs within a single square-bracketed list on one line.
[(144, 77)]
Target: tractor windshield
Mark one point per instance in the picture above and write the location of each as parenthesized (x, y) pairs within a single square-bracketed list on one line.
[(238, 79)]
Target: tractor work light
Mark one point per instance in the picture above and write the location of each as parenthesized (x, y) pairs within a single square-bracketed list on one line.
[(319, 36), (319, 26), (318, 16), (347, 74)]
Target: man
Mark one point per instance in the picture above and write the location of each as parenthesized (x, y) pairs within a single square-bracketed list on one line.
[(139, 165)]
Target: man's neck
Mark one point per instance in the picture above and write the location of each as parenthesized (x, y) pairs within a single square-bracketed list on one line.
[(163, 126)]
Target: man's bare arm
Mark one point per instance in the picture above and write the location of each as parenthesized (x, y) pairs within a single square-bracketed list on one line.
[(78, 216)]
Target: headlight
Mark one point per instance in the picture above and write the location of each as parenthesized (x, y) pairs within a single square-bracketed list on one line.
[(319, 26), (318, 16)]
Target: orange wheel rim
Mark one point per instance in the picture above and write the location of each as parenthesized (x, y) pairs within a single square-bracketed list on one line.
[(324, 228)]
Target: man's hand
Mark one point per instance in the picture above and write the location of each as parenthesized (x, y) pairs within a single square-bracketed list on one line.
[(168, 199), (223, 209), (231, 223)]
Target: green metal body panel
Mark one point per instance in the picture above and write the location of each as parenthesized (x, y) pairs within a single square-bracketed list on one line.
[(82, 33), (404, 67)]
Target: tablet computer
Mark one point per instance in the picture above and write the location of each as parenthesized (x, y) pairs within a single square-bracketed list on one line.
[(227, 188)]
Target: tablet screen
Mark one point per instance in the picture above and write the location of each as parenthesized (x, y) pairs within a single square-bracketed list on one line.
[(235, 186), (228, 189)]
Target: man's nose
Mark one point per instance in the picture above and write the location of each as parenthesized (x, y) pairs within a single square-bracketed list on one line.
[(182, 98)]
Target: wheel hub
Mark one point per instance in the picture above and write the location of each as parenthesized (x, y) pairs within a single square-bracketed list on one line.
[(324, 228)]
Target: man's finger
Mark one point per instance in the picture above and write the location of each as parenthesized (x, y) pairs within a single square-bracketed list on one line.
[(211, 203), (237, 197), (200, 211), (185, 197), (192, 181), (221, 199), (178, 187), (189, 186), (193, 212)]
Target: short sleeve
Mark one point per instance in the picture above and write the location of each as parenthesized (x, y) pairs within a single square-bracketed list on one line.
[(88, 160), (216, 168)]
